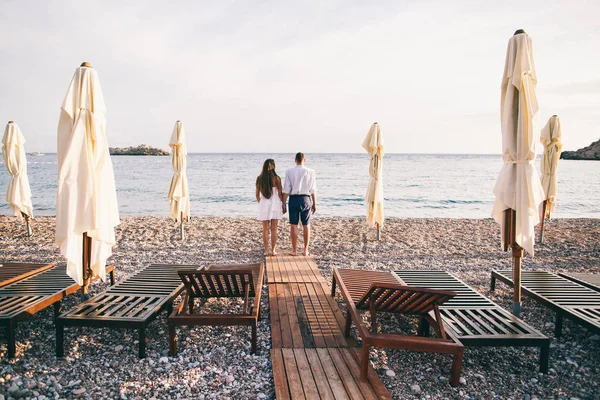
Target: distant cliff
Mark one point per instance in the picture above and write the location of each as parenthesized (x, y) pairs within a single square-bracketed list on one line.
[(141, 150), (592, 152)]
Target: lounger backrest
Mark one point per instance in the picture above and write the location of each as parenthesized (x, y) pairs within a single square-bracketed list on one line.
[(219, 282), (402, 299)]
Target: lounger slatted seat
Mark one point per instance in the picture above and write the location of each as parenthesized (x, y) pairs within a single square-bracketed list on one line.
[(30, 295), (590, 280), (132, 304), (13, 272), (474, 319), (565, 297), (233, 280), (378, 291)]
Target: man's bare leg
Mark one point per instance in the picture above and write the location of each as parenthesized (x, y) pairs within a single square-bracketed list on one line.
[(294, 238), (274, 224), (306, 236), (265, 227)]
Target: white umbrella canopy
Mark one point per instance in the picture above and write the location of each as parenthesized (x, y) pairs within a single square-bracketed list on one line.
[(179, 195), (86, 200), (518, 189), (373, 144), (551, 139), (18, 195)]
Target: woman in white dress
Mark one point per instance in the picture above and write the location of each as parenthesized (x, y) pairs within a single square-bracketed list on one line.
[(270, 204)]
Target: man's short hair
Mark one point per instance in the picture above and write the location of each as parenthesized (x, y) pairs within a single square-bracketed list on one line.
[(300, 157)]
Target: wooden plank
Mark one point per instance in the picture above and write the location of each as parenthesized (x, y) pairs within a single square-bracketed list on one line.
[(297, 340), (329, 329), (352, 389), (291, 370), (282, 390), (312, 317), (303, 321), (333, 378), (274, 314), (308, 383), (284, 317), (319, 374)]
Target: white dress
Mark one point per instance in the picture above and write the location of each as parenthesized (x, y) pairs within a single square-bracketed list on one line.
[(270, 208)]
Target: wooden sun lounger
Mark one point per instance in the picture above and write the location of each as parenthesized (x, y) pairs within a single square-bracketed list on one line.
[(590, 280), (474, 319), (234, 280), (132, 304), (30, 295), (565, 297), (379, 291), (13, 272)]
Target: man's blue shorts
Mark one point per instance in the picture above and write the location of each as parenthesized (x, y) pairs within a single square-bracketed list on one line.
[(300, 208)]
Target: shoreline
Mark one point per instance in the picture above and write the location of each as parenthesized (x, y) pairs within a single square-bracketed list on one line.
[(214, 362)]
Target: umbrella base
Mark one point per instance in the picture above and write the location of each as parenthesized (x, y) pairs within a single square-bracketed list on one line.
[(517, 309)]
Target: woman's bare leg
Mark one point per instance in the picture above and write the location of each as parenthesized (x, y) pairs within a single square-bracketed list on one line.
[(265, 232), (274, 225)]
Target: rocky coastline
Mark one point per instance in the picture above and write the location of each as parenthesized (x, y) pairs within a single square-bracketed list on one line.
[(141, 150), (591, 152)]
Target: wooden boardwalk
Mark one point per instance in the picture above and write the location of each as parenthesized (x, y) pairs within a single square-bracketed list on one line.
[(311, 357)]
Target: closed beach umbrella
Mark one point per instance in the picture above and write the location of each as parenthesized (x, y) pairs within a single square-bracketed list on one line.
[(518, 189), (373, 144), (86, 202), (179, 195), (18, 194), (551, 139)]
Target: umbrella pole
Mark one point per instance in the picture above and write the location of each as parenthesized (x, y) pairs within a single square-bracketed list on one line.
[(181, 230), (517, 253), (545, 204), (378, 231), (27, 224), (87, 259)]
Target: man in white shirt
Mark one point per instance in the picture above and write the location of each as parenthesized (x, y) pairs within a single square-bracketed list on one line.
[(300, 185)]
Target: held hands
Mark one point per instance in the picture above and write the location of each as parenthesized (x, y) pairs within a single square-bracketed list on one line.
[(284, 208)]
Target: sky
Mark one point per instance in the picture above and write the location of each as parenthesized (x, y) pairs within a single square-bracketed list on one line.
[(288, 76)]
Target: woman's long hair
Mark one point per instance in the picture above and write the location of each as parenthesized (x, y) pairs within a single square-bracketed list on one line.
[(265, 179)]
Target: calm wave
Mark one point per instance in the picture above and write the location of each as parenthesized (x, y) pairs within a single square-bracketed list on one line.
[(415, 185)]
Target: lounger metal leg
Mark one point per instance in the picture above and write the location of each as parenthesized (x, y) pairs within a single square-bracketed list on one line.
[(493, 283), (423, 327), (544, 357), (60, 337), (172, 340), (12, 345), (348, 324), (333, 287), (558, 325), (253, 350), (142, 339), (364, 362), (57, 308), (456, 369), (112, 277)]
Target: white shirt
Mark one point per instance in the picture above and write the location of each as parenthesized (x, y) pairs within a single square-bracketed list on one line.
[(300, 180)]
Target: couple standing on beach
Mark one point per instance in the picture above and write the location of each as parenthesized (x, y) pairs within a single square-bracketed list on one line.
[(300, 186)]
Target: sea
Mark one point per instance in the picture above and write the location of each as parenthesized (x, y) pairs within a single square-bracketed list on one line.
[(414, 185)]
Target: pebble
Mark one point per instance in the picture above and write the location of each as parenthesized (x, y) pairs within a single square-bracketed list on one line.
[(390, 373), (79, 391), (415, 388), (462, 380), (106, 360), (229, 379)]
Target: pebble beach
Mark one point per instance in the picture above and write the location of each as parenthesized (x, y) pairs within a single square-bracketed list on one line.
[(215, 362)]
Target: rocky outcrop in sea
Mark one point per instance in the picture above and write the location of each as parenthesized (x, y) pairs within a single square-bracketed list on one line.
[(591, 152), (141, 150)]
